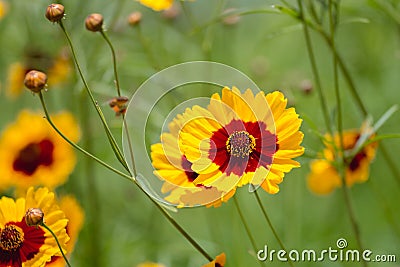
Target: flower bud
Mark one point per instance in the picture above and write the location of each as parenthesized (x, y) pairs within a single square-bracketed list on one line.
[(306, 86), (94, 22), (134, 18), (119, 104), (35, 80), (55, 12), (34, 217)]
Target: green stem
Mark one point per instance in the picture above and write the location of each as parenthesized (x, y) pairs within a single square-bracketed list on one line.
[(125, 126), (270, 224), (114, 61), (246, 227), (48, 118), (58, 243), (324, 105), (110, 137)]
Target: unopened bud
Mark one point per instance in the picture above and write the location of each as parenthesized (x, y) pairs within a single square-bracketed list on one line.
[(306, 86), (134, 18), (94, 22), (34, 217), (119, 104), (55, 12), (35, 80)]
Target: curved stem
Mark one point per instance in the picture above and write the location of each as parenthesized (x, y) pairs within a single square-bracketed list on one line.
[(322, 100), (114, 61), (246, 226), (48, 118), (110, 137), (58, 243), (270, 224)]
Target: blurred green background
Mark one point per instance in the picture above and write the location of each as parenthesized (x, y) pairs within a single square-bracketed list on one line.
[(122, 227)]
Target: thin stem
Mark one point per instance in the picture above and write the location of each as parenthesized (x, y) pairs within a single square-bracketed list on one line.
[(128, 138), (177, 225), (324, 106), (246, 227), (270, 224), (114, 61), (48, 118), (58, 243), (110, 137)]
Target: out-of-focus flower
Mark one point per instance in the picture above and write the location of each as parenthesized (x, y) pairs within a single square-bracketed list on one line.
[(3, 8), (33, 246), (324, 177), (134, 18), (57, 69), (218, 262), (119, 104), (242, 138), (150, 264), (74, 213), (32, 153), (157, 5)]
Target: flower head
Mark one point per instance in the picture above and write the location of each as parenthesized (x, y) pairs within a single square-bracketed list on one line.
[(23, 245), (150, 264), (38, 156), (55, 12), (242, 139), (74, 213), (157, 5), (35, 80), (3, 8), (324, 177), (94, 22), (218, 262)]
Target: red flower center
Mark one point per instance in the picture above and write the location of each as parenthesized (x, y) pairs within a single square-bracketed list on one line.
[(187, 167), (34, 155), (11, 238), (240, 144), (241, 147)]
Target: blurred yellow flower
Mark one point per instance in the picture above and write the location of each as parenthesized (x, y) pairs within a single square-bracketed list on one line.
[(218, 262), (157, 5), (150, 264), (30, 246), (3, 8), (324, 177), (32, 153), (75, 215), (57, 70)]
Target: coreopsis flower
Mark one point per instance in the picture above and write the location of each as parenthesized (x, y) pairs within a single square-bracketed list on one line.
[(30, 246), (75, 215), (32, 153), (3, 8), (175, 170), (157, 5), (324, 177), (57, 70), (218, 262), (242, 138)]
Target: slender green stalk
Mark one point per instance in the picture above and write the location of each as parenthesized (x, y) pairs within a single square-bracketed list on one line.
[(270, 224), (48, 118), (114, 61), (128, 138), (110, 137), (324, 105), (58, 243), (246, 226)]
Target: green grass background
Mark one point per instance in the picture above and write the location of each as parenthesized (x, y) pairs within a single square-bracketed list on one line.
[(122, 227)]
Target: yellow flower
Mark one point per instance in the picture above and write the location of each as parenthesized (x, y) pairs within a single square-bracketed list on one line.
[(175, 170), (30, 246), (57, 70), (74, 213), (157, 5), (324, 178), (218, 262), (150, 264), (242, 139), (3, 8), (32, 153)]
